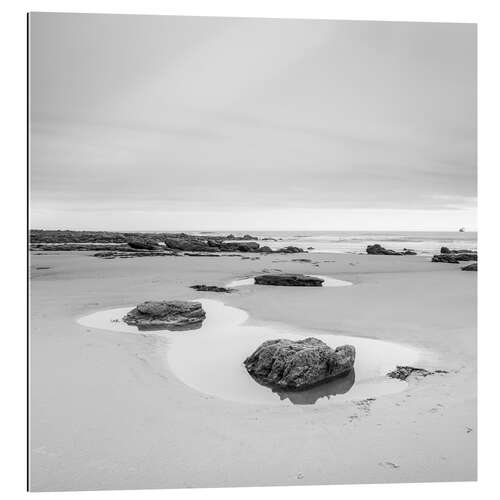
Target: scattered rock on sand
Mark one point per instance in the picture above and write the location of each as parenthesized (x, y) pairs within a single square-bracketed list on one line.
[(470, 267), (296, 365), (377, 249), (403, 372), (301, 260), (171, 315), (288, 280), (211, 288), (290, 249)]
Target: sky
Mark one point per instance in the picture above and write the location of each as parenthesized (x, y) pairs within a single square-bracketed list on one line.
[(191, 123)]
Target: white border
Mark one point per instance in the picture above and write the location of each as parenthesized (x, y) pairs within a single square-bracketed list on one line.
[(12, 365)]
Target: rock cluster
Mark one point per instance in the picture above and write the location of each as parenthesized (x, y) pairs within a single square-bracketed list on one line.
[(377, 249), (296, 365), (288, 280), (454, 256), (163, 314)]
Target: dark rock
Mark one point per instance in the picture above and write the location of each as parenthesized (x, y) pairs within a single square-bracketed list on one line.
[(403, 372), (189, 245), (290, 249), (301, 260), (377, 249), (445, 250), (265, 249), (454, 258), (470, 267), (170, 315), (409, 251), (191, 254), (143, 244), (445, 257), (211, 288), (296, 365), (240, 246), (288, 280)]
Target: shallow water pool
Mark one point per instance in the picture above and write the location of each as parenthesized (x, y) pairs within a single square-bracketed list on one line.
[(210, 359)]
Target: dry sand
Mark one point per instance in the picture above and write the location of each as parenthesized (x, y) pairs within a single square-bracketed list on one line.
[(108, 413)]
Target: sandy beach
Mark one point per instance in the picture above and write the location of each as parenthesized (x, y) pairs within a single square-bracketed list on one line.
[(108, 411)]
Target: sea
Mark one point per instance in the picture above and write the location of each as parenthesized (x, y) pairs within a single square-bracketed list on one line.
[(423, 242)]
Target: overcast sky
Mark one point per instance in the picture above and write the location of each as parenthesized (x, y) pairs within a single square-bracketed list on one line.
[(158, 123)]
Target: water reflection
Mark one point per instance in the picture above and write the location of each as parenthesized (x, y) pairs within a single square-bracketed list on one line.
[(339, 385)]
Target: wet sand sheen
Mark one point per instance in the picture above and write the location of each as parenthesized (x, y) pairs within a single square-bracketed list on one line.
[(210, 359)]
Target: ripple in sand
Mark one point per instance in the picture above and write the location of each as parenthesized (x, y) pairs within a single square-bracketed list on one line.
[(210, 359)]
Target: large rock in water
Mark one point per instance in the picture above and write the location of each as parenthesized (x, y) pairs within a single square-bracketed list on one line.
[(288, 280), (163, 314), (296, 365)]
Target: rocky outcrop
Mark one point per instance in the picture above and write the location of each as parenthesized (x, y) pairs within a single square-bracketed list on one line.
[(163, 314), (377, 249), (211, 288), (403, 372), (189, 245), (454, 258), (296, 365), (244, 237), (265, 249), (143, 244), (290, 249), (470, 267), (239, 246), (288, 280)]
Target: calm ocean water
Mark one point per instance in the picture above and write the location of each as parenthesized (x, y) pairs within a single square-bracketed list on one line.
[(427, 243)]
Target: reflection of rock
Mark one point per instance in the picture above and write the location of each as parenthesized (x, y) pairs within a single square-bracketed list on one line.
[(403, 372), (296, 365), (470, 267), (170, 315), (339, 385), (288, 280), (212, 288)]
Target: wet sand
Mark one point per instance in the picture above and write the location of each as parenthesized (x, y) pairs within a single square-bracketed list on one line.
[(108, 412)]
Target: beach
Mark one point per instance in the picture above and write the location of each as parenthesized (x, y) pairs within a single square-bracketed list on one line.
[(108, 411)]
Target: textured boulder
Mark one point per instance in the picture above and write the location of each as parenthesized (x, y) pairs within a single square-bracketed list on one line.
[(295, 365), (211, 288), (445, 250), (189, 245), (470, 267), (239, 246), (265, 249), (290, 249), (377, 249), (454, 258), (408, 251), (288, 280), (143, 244), (163, 314)]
